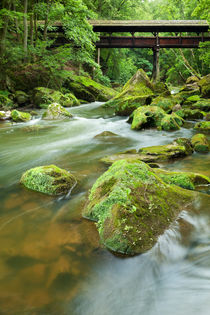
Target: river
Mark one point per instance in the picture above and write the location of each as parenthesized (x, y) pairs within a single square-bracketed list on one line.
[(51, 262)]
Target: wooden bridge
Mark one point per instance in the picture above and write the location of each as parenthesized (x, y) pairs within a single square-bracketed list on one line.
[(178, 37)]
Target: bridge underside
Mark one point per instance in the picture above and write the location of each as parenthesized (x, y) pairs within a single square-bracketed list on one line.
[(150, 42)]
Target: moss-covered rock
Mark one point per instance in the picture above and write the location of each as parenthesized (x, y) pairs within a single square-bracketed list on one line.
[(185, 180), (190, 114), (192, 99), (49, 179), (153, 116), (179, 148), (87, 89), (203, 105), (21, 97), (166, 103), (106, 134), (138, 91), (42, 97), (18, 116), (133, 206), (192, 79), (203, 126), (56, 112), (200, 143), (204, 84), (5, 115), (207, 117), (6, 103)]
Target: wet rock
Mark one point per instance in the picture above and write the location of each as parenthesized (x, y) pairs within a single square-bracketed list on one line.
[(56, 112), (42, 97), (203, 126), (191, 80), (166, 103), (180, 147), (48, 179), (106, 134), (153, 116), (185, 180), (133, 206), (5, 115), (203, 105), (200, 143), (18, 116), (190, 114)]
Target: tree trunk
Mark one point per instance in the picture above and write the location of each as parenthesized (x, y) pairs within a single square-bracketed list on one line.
[(25, 35), (3, 33), (32, 29), (46, 20), (188, 66), (17, 25)]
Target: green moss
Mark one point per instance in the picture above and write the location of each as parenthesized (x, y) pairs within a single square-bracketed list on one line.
[(57, 112), (18, 116), (165, 103), (203, 126), (133, 206), (42, 97), (21, 97), (191, 114), (171, 122), (193, 98), (200, 143), (204, 84), (6, 103), (48, 179), (203, 105)]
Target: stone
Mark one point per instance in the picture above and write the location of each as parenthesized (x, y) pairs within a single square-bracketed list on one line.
[(166, 103), (176, 108), (202, 104), (203, 126), (6, 103), (190, 114), (106, 134), (154, 116), (179, 148), (138, 91), (48, 179), (133, 206), (200, 143), (207, 117), (21, 97), (56, 112), (185, 180), (89, 90), (42, 97), (5, 115), (192, 79), (204, 85), (18, 116)]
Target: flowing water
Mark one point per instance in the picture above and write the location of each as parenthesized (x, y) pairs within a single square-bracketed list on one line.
[(51, 262)]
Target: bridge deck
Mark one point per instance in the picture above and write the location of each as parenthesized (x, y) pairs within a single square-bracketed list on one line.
[(111, 26)]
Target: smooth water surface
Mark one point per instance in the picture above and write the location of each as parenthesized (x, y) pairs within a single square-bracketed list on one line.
[(50, 258)]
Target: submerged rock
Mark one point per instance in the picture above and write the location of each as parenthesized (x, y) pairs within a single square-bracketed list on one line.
[(56, 112), (18, 116), (106, 134), (49, 179), (133, 206), (43, 97), (203, 126), (153, 116), (180, 147), (200, 143)]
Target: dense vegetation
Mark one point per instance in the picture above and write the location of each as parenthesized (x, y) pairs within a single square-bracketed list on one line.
[(24, 45)]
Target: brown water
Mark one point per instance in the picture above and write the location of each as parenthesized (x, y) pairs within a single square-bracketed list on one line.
[(50, 258)]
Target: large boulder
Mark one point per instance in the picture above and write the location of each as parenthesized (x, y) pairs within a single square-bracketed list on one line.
[(202, 104), (21, 97), (200, 143), (204, 85), (133, 206), (6, 103), (153, 116), (179, 148), (138, 91), (190, 114), (89, 90), (203, 126), (166, 103), (18, 116), (49, 179), (56, 112), (42, 97)]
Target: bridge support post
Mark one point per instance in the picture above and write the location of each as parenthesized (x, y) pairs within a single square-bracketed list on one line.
[(156, 65), (98, 56)]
